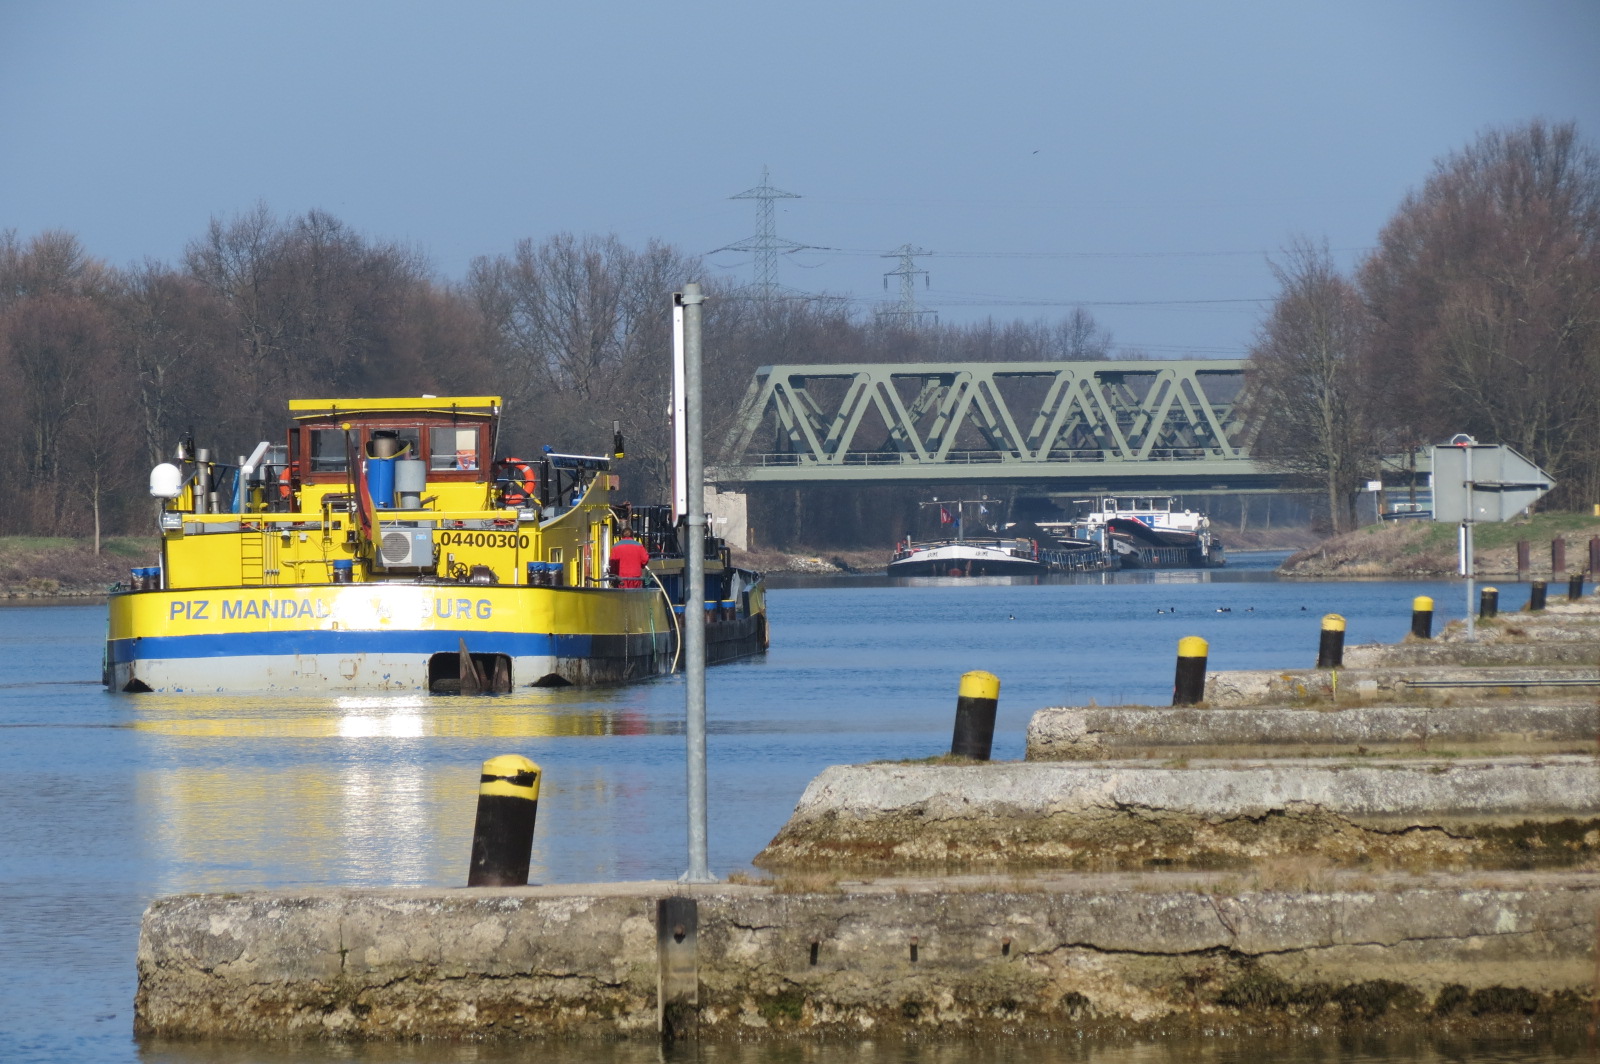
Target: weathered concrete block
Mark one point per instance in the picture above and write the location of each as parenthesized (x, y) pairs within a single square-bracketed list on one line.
[(1068, 733), (1053, 956), (1481, 653), (1400, 683), (1491, 811), (411, 963)]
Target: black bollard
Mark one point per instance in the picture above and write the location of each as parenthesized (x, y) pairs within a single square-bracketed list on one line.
[(1488, 603), (1189, 684), (1574, 587), (1536, 596), (1422, 617), (1524, 559), (502, 838), (1558, 556), (1594, 557), (976, 700), (1330, 651)]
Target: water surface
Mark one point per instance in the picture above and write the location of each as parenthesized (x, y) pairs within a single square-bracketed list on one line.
[(110, 800)]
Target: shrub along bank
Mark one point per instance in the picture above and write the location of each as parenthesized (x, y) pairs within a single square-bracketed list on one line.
[(1428, 548), (61, 566)]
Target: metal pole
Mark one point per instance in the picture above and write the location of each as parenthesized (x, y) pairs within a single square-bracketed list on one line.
[(1466, 553), (694, 605)]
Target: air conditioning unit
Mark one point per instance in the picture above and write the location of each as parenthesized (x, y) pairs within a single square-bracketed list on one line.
[(404, 547)]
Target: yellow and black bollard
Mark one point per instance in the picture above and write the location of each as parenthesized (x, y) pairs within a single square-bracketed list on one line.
[(1189, 683), (1537, 591), (1330, 651), (1422, 617), (1488, 603), (976, 700), (502, 839)]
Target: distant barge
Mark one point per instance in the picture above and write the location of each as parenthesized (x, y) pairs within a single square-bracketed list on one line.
[(1146, 532)]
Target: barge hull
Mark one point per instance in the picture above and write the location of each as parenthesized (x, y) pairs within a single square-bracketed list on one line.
[(357, 637)]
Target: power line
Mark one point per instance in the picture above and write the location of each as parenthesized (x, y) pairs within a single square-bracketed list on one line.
[(1070, 254)]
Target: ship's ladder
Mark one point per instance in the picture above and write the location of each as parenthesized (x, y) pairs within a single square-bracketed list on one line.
[(253, 558)]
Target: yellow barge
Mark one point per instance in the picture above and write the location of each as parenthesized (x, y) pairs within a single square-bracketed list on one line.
[(383, 548)]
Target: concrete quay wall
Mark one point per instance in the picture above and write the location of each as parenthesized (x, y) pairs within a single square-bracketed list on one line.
[(1070, 733), (1480, 654), (1397, 683), (904, 957), (1489, 812)]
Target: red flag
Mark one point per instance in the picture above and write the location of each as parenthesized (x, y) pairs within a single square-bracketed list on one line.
[(944, 516)]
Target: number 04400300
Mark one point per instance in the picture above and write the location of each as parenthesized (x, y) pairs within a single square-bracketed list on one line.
[(483, 539)]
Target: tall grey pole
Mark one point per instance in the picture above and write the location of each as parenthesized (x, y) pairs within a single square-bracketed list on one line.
[(694, 605), (1466, 554)]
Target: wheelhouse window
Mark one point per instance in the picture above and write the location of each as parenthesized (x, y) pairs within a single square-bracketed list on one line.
[(453, 448), (328, 452), (407, 441)]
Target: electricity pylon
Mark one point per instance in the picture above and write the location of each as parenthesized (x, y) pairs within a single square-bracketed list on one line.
[(766, 243), (907, 313)]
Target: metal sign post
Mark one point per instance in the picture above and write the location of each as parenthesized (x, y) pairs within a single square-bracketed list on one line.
[(1475, 482), (694, 576), (1468, 568)]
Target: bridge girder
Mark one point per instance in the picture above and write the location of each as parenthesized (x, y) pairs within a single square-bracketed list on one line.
[(1134, 422)]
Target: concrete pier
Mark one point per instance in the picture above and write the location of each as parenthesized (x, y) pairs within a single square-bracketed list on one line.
[(1409, 839), (1488, 812), (1047, 956), (1070, 733)]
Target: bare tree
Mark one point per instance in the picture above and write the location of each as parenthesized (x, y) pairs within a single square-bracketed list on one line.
[(1078, 338), (1304, 379), (52, 345), (1485, 292)]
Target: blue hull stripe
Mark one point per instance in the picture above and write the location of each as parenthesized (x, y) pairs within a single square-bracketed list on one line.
[(245, 644)]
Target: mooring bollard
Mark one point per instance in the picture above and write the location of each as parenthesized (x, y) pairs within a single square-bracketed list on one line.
[(1536, 596), (1189, 684), (1594, 557), (1524, 559), (1422, 617), (1330, 651), (976, 700), (1558, 556), (502, 838), (1488, 603), (1574, 587)]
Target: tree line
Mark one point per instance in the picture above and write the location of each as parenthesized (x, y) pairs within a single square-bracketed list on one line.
[(107, 368), (1478, 311)]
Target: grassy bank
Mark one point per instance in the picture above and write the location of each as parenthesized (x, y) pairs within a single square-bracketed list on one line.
[(1428, 548), (51, 566)]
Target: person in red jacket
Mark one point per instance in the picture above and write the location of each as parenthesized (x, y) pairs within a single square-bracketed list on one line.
[(628, 559)]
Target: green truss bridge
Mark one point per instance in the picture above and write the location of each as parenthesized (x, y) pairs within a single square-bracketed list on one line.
[(1125, 425)]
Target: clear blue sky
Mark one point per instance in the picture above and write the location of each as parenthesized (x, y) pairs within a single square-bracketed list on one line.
[(1050, 153)]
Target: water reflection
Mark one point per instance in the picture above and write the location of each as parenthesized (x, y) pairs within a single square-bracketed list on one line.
[(530, 713), (1344, 1048)]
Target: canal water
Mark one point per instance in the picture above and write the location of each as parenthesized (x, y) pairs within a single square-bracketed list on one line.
[(107, 801)]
